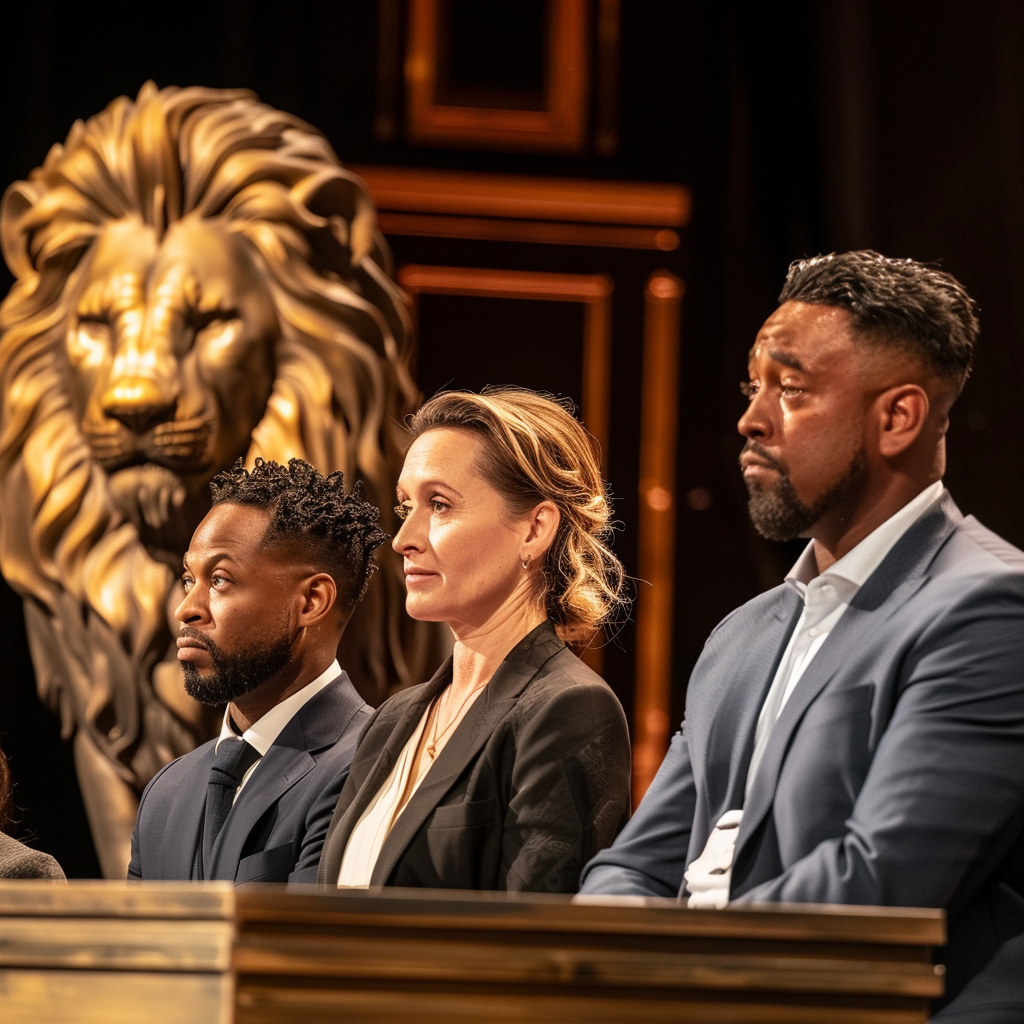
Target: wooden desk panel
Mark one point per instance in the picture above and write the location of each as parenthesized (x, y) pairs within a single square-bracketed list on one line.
[(408, 956), (119, 953), (116, 953), (114, 997)]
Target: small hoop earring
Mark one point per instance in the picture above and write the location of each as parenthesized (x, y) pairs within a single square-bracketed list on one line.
[(525, 563)]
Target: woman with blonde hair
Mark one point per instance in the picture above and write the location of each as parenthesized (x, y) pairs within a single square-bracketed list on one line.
[(510, 768)]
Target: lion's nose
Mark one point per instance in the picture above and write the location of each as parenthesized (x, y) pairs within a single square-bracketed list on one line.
[(138, 403)]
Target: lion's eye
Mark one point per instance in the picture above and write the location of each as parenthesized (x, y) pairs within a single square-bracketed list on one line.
[(216, 334), (203, 318), (89, 343)]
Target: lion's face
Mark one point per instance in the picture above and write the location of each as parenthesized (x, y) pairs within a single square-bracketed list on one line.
[(170, 346)]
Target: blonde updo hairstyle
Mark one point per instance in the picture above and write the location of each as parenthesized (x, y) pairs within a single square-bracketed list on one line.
[(534, 450)]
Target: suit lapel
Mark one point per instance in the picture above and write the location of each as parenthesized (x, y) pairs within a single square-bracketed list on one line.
[(316, 725), (731, 737), (902, 573), (282, 766), (356, 798), (187, 811), (497, 700)]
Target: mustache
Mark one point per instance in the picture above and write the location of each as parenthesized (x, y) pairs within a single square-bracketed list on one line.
[(193, 634), (753, 448)]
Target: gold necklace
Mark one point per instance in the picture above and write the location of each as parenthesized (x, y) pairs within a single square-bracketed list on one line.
[(432, 747)]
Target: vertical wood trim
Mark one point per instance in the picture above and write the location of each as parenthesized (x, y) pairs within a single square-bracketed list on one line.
[(596, 398), (656, 529), (421, 61), (606, 78), (568, 72), (389, 59), (597, 367)]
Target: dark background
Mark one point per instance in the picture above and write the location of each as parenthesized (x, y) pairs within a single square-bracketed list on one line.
[(800, 128)]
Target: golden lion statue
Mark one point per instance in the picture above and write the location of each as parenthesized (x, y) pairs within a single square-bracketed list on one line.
[(198, 278)]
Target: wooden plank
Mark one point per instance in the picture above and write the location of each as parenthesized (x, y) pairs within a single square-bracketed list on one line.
[(211, 900), (359, 956), (116, 944), (491, 229), (258, 1004), (104, 997), (528, 197), (505, 284), (511, 912)]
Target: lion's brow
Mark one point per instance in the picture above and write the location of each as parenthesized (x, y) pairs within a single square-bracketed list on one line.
[(114, 293)]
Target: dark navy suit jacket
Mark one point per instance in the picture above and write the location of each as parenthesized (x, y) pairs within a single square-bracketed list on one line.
[(894, 775), (276, 828)]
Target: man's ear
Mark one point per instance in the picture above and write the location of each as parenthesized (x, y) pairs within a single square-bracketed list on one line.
[(543, 525), (318, 594), (902, 413)]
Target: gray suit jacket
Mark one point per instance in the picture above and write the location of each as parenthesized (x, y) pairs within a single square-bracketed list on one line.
[(20, 861), (534, 780), (276, 828), (895, 773)]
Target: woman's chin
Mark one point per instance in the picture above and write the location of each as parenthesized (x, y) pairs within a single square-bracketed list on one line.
[(422, 611)]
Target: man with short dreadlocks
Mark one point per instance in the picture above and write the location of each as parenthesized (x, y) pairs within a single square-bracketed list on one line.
[(270, 579)]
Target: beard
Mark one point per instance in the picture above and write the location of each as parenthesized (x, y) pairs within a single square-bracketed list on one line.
[(234, 675), (778, 514)]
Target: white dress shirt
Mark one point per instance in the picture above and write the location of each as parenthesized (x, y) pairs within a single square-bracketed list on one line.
[(826, 596), (264, 731)]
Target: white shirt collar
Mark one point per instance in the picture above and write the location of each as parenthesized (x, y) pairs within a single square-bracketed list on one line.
[(263, 732), (857, 565)]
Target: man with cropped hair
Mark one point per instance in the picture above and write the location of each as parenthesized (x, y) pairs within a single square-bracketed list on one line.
[(270, 578), (856, 735)]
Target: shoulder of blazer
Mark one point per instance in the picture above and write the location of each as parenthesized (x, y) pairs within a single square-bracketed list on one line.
[(335, 714), (174, 771), (563, 668), (166, 786), (565, 677), (975, 547)]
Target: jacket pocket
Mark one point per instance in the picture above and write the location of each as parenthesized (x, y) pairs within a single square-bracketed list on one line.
[(476, 812), (273, 865)]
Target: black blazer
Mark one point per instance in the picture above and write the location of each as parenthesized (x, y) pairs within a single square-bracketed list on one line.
[(533, 782), (276, 828)]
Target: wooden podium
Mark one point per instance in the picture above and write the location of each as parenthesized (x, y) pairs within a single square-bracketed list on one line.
[(169, 953)]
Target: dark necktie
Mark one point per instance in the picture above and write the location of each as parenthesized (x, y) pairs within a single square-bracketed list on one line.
[(233, 759)]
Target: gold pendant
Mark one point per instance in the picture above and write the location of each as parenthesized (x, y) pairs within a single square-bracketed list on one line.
[(432, 751)]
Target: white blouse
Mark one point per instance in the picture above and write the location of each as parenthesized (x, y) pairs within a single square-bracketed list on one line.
[(364, 845)]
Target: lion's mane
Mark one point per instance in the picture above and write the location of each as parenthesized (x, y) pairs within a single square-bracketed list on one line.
[(97, 605)]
